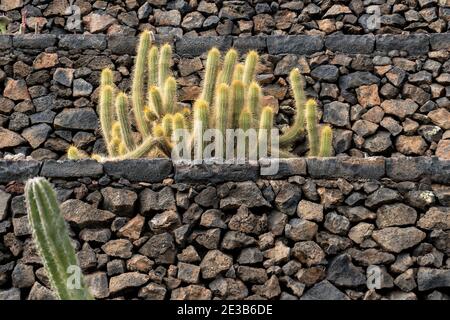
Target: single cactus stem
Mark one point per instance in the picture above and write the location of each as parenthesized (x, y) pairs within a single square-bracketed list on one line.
[(250, 67), (52, 239), (122, 149), (297, 127), (265, 125), (254, 99), (238, 73), (236, 104), (164, 64), (212, 65), (73, 153), (166, 124), (125, 127), (226, 75), (106, 78), (115, 131), (200, 126), (221, 107), (170, 95), (311, 125), (139, 81), (187, 113), (153, 66), (326, 140), (106, 114), (156, 100)]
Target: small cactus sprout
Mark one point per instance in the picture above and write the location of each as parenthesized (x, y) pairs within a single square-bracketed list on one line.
[(311, 125), (153, 66), (164, 64), (299, 96), (125, 127), (326, 139), (106, 113), (170, 95), (226, 74), (52, 240), (139, 81), (212, 66), (73, 153), (250, 67)]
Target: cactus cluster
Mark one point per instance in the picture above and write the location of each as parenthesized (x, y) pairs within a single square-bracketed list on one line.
[(53, 242), (231, 98)]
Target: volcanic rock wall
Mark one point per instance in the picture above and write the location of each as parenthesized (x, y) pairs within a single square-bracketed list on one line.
[(383, 95), (224, 17), (335, 228)]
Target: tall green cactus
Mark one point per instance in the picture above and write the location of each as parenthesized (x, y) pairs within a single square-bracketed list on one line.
[(138, 93), (326, 140), (212, 68), (226, 75), (299, 122), (311, 124), (125, 127), (200, 125), (250, 67), (52, 240)]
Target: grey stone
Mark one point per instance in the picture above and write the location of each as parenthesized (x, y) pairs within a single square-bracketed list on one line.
[(337, 113), (71, 169), (32, 41), (347, 168), (141, 170), (244, 193), (127, 281), (84, 215), (428, 278), (82, 42), (119, 201), (324, 291), (20, 170), (161, 248), (299, 44), (394, 239), (342, 272), (355, 44), (414, 44), (215, 173), (151, 201), (196, 47), (77, 119)]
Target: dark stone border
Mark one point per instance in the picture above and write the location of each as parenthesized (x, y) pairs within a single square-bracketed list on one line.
[(414, 44), (156, 170)]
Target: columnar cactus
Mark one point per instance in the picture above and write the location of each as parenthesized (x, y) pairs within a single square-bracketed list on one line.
[(53, 242), (230, 99), (326, 139)]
